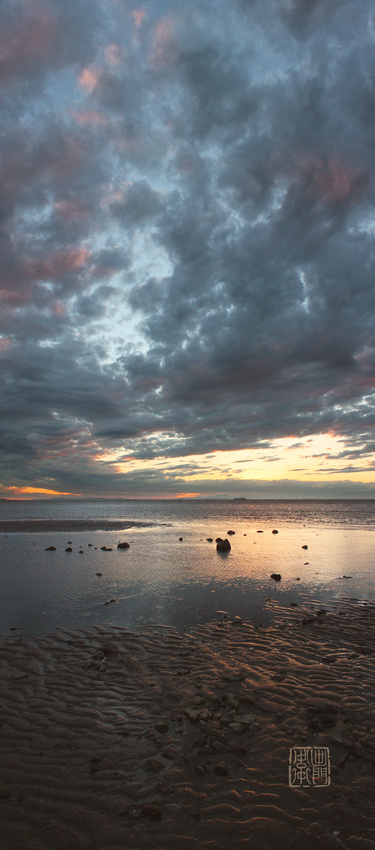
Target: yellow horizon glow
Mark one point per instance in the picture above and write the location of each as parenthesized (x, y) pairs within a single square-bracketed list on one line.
[(287, 458), (20, 491)]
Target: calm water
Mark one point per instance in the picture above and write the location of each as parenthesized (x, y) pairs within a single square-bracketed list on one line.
[(161, 579)]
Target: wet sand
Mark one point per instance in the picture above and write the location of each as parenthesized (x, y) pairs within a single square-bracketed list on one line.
[(112, 739)]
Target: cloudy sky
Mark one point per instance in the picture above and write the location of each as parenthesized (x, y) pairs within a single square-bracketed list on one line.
[(187, 256)]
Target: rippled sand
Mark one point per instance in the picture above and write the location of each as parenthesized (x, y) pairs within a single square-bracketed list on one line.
[(112, 739)]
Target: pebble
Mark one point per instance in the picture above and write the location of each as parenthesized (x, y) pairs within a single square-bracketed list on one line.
[(276, 576), (152, 811), (221, 769), (50, 549), (161, 726)]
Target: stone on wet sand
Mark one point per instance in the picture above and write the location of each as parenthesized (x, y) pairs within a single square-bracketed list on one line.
[(222, 545), (123, 545), (276, 576)]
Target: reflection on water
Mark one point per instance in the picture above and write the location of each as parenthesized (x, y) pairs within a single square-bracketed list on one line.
[(161, 579)]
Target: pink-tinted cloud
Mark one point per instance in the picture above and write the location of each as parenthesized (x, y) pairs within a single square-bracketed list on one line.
[(89, 78), (114, 54), (164, 43), (60, 263), (89, 118), (138, 16), (30, 39), (71, 210), (5, 342)]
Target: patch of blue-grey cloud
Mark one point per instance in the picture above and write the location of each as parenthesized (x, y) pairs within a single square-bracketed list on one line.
[(186, 232)]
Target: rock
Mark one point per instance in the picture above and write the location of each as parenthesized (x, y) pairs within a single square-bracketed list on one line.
[(81, 552), (105, 549), (153, 765), (221, 769), (231, 532), (161, 726), (205, 715), (209, 539), (50, 549), (275, 531), (68, 549), (180, 539), (260, 531), (298, 579), (237, 621), (245, 719), (192, 714), (198, 700), (199, 770), (123, 545), (236, 727), (305, 547), (276, 576), (98, 574), (222, 545), (294, 604), (152, 811), (110, 602)]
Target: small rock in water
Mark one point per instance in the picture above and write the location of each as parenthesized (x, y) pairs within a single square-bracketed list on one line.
[(123, 545), (81, 552), (50, 549), (68, 549), (305, 547), (110, 602), (260, 531), (275, 531), (276, 576), (98, 574), (231, 532), (106, 549), (209, 539), (298, 579), (180, 539)]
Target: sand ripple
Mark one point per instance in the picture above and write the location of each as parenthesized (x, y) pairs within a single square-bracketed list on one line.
[(113, 739)]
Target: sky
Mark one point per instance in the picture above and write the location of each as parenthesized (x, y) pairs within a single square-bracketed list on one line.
[(187, 256)]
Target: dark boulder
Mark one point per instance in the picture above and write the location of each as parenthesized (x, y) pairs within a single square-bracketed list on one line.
[(223, 545), (231, 532), (276, 576), (68, 549), (123, 545), (275, 531)]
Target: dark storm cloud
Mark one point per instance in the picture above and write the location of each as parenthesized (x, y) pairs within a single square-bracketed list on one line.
[(186, 234)]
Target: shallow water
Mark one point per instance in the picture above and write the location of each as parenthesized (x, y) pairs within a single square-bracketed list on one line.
[(161, 579)]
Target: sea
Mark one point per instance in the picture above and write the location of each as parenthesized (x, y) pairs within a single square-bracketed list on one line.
[(172, 574)]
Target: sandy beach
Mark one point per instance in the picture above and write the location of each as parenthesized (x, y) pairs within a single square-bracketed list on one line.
[(112, 739)]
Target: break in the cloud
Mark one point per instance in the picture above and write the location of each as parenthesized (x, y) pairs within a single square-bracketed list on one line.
[(187, 247)]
